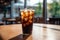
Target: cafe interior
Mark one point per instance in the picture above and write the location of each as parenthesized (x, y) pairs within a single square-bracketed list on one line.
[(29, 19)]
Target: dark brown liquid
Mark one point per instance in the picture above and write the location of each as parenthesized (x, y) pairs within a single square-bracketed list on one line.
[(27, 21)]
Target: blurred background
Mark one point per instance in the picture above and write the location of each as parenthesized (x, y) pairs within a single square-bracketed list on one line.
[(45, 10)]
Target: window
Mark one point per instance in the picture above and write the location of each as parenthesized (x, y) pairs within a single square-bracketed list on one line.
[(37, 5), (53, 8)]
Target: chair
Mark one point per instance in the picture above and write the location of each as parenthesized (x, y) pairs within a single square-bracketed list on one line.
[(34, 20), (18, 20), (1, 23)]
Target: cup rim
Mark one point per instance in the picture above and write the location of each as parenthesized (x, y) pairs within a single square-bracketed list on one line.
[(30, 9)]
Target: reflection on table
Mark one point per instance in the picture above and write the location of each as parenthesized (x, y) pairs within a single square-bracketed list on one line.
[(45, 32)]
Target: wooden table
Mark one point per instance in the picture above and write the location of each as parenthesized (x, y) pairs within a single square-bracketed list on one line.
[(1, 23), (11, 21), (10, 31), (40, 32), (45, 32)]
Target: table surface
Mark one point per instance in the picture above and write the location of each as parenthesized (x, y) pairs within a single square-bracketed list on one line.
[(10, 31), (11, 19), (40, 31), (45, 32), (1, 22)]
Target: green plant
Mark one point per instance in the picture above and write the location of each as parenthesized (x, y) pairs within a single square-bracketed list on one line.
[(54, 9), (38, 9)]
